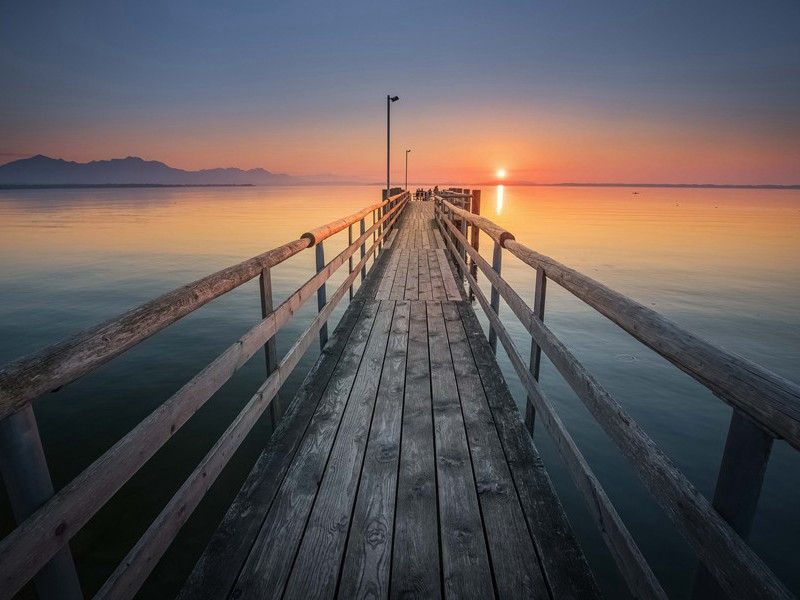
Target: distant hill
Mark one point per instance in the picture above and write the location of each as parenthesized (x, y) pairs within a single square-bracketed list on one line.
[(43, 170)]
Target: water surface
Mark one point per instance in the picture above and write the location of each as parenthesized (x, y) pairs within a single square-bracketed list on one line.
[(723, 263)]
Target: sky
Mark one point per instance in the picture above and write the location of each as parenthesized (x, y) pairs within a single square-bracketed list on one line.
[(551, 91)]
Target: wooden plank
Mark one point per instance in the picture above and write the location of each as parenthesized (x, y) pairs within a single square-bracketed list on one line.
[(425, 292), (415, 556), (437, 282), (31, 545), (316, 567), (564, 565), (629, 559), (367, 563), (399, 288), (128, 577), (267, 567), (216, 570), (465, 561), (516, 572), (412, 281), (387, 278), (450, 285), (736, 567)]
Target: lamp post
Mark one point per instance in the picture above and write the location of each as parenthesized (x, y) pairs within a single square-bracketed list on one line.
[(407, 151), (389, 100)]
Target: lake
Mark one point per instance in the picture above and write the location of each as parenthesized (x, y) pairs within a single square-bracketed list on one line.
[(722, 263)]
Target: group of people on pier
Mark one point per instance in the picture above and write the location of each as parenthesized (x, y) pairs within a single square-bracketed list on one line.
[(423, 194)]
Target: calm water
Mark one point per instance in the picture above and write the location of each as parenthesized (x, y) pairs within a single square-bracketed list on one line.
[(723, 263)]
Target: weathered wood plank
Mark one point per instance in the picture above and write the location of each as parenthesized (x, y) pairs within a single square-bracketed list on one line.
[(564, 565), (267, 567), (425, 292), (465, 561), (450, 285), (437, 282), (626, 553), (415, 556), (516, 572), (216, 570), (412, 281), (317, 565), (387, 278), (399, 288), (367, 563)]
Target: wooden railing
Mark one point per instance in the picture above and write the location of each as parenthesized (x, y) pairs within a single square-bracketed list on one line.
[(37, 548), (766, 407)]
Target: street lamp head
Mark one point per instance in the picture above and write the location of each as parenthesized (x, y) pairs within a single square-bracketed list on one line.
[(407, 151), (394, 98)]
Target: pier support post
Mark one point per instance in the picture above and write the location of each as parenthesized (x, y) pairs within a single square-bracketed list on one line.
[(322, 294), (462, 246), (475, 234), (28, 484), (350, 260), (362, 229), (271, 347), (536, 351), (497, 264), (741, 475)]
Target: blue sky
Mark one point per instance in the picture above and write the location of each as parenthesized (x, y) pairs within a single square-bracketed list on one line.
[(556, 90)]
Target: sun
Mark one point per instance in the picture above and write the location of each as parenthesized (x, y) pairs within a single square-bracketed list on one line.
[(501, 173)]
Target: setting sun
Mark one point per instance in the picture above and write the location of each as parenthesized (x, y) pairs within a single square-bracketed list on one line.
[(501, 173)]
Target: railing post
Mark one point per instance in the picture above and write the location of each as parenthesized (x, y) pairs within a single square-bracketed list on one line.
[(350, 260), (322, 294), (464, 233), (28, 485), (497, 264), (536, 351), (475, 236), (741, 475), (362, 229), (271, 347), (374, 236)]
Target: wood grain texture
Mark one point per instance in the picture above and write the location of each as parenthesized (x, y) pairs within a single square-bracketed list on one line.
[(562, 561), (415, 556), (629, 559), (216, 570), (516, 571), (316, 568), (465, 561), (367, 564), (267, 567)]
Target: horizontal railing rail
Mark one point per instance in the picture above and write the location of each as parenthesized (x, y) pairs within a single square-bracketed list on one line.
[(44, 533), (716, 535)]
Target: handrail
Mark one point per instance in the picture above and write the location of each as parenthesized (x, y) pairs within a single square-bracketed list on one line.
[(768, 398), (742, 571), (28, 547), (494, 231), (325, 231), (720, 546), (60, 364)]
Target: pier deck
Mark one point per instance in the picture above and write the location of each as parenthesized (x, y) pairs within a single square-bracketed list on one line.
[(402, 468)]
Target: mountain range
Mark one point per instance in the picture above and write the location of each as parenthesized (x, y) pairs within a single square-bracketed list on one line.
[(43, 170)]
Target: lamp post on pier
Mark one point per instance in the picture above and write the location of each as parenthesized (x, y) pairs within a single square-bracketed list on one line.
[(389, 100), (407, 151)]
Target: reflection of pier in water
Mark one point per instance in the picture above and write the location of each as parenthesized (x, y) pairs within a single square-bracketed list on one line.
[(402, 466)]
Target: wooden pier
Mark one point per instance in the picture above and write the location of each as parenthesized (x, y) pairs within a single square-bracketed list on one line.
[(402, 467)]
